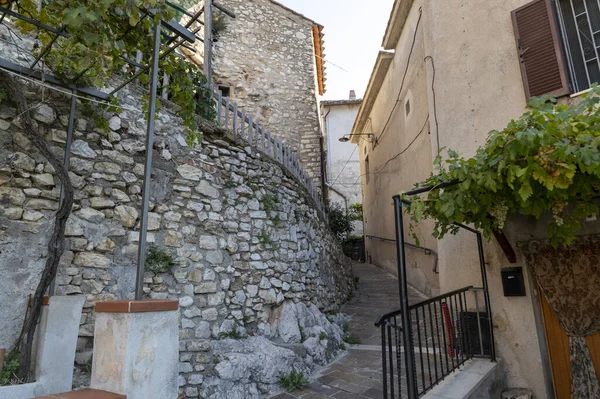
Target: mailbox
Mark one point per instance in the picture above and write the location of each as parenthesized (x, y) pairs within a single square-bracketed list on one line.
[(512, 281)]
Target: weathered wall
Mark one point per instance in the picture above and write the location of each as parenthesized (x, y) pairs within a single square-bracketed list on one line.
[(478, 87), (266, 57), (401, 158), (245, 235), (343, 163)]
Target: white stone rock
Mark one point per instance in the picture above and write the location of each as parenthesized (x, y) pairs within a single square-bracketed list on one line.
[(32, 216), (45, 179), (82, 148), (44, 114), (22, 161), (208, 242), (91, 215), (186, 301), (114, 123), (207, 190), (127, 215), (91, 259), (133, 146)]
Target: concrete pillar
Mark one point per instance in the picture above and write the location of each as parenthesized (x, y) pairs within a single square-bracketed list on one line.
[(55, 353), (136, 348), (58, 342)]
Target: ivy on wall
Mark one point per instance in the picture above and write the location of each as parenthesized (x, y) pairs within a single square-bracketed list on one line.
[(548, 160)]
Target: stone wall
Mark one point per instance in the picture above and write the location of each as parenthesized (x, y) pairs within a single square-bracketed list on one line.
[(266, 57), (246, 237)]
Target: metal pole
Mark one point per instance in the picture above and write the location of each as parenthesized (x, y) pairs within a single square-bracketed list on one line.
[(139, 280), (66, 163), (486, 296), (409, 354), (208, 16)]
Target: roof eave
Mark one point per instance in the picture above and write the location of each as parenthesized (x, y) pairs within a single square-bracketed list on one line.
[(396, 23), (382, 65)]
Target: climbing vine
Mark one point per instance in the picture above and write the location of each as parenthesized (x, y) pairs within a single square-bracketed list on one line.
[(548, 160), (91, 45), (102, 35)]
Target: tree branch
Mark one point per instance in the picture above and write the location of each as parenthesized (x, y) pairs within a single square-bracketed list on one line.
[(56, 243)]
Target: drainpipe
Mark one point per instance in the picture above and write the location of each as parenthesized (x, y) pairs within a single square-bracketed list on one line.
[(340, 194), (324, 159)]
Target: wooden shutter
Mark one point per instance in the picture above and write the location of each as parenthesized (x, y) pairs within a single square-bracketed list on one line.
[(542, 62)]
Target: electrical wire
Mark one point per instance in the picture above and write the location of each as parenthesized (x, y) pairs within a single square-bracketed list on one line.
[(346, 164), (412, 46), (435, 118), (380, 169), (37, 82)]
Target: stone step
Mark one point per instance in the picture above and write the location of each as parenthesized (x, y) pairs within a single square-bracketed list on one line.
[(85, 394)]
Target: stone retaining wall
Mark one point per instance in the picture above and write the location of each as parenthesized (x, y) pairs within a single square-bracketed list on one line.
[(245, 235)]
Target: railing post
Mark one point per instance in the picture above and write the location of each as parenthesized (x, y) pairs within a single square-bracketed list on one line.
[(235, 118), (243, 124), (220, 107), (409, 354), (227, 112), (486, 296)]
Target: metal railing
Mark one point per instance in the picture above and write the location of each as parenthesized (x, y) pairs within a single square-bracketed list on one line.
[(243, 125), (445, 332), (427, 251)]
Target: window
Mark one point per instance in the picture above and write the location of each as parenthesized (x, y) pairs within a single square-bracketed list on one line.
[(225, 90), (559, 45), (367, 172), (580, 26)]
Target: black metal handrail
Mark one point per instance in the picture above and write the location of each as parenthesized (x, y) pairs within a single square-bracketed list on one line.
[(446, 331), (428, 251)]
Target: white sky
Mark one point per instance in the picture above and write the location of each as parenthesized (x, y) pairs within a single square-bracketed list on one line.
[(353, 33)]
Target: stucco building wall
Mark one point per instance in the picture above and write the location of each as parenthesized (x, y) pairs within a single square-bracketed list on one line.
[(478, 88), (343, 163), (466, 52), (400, 158)]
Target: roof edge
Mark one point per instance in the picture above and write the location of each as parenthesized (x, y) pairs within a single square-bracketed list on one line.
[(396, 23), (382, 65), (341, 102), (295, 12)]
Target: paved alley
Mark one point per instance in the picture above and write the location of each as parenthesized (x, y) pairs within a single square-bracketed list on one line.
[(358, 374)]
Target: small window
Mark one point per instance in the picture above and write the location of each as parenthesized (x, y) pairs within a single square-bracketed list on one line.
[(367, 172), (407, 107), (225, 90)]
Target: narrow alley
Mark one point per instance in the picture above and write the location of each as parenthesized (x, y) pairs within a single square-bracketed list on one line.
[(359, 373)]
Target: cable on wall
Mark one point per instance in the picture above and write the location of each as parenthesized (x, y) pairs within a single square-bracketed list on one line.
[(412, 46), (435, 118)]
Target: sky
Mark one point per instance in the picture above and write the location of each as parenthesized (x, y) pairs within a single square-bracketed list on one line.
[(353, 33)]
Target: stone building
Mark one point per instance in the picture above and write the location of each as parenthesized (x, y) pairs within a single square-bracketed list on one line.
[(269, 60)]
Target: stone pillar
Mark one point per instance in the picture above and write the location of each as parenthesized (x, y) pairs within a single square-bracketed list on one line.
[(136, 348)]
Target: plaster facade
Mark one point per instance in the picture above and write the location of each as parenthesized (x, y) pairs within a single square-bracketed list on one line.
[(463, 76), (265, 58), (343, 163), (399, 156)]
